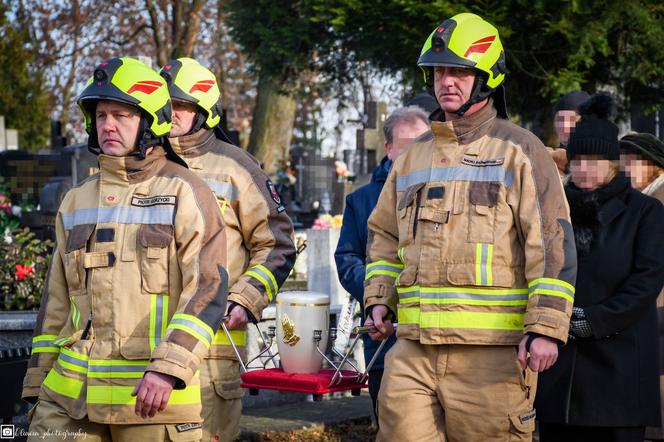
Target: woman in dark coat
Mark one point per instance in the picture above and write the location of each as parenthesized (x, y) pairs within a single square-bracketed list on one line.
[(605, 384)]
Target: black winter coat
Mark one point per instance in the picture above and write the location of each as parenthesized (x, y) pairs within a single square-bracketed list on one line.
[(612, 378)]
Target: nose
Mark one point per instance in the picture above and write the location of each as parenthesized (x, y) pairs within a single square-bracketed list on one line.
[(107, 124)]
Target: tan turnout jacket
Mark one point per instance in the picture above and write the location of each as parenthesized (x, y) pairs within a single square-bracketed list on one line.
[(471, 241), (138, 268), (259, 233)]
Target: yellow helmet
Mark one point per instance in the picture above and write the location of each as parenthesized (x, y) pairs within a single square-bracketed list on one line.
[(190, 81), (128, 81), (467, 41)]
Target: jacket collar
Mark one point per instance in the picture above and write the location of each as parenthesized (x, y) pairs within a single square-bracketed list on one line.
[(194, 145), (130, 169), (381, 171), (468, 128)]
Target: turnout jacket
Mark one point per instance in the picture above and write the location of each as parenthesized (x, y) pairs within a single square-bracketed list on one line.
[(137, 283), (471, 241), (259, 233)]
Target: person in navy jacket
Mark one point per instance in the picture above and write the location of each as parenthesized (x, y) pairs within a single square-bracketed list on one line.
[(401, 127)]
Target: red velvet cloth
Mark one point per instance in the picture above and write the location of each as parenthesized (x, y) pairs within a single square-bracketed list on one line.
[(310, 383)]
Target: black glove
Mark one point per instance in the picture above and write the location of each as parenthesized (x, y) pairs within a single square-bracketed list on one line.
[(579, 326)]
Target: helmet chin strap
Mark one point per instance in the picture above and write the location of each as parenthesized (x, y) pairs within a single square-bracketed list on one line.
[(479, 93), (145, 138), (198, 123)]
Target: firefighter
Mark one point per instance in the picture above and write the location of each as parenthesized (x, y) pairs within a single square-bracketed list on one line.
[(137, 284), (471, 249), (261, 252)]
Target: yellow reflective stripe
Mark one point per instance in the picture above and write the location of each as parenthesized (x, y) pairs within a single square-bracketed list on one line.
[(382, 262), (400, 254), (461, 289), (239, 338), (117, 368), (469, 320), (45, 344), (478, 264), (72, 367), (381, 267), (194, 326), (265, 270), (121, 395), (262, 280), (40, 338), (483, 263), (158, 315), (63, 385), (552, 287), (75, 314), (373, 273), (73, 354)]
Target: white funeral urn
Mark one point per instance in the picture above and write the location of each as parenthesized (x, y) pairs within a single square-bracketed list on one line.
[(301, 317)]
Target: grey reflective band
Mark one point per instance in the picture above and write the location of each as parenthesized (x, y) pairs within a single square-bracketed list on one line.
[(73, 361), (456, 173), (461, 295), (223, 190), (484, 279), (117, 368), (267, 277), (37, 344), (158, 320), (552, 287), (162, 214), (193, 326)]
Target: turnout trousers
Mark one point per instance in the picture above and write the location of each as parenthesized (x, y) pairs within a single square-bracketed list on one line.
[(455, 393)]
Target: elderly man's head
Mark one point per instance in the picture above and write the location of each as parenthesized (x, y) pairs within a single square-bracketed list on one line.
[(402, 127)]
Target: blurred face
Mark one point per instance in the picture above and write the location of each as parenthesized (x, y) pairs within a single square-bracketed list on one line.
[(639, 169), (184, 115), (453, 87), (117, 127), (591, 171), (402, 135), (564, 121)]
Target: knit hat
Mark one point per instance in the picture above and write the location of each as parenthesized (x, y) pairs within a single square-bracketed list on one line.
[(594, 134), (644, 144), (571, 101)]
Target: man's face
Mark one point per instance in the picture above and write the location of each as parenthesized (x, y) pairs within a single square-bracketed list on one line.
[(564, 121), (403, 134), (117, 127), (453, 87), (638, 168), (590, 171), (184, 115)]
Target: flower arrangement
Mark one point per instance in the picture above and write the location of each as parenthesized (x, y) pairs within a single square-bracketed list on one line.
[(23, 269), (327, 221)]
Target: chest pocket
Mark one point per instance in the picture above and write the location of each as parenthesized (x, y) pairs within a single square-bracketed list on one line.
[(407, 213), (75, 249), (483, 198), (154, 241)]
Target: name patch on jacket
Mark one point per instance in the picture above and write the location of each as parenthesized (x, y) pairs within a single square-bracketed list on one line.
[(482, 162), (161, 200), (187, 427), (524, 418)]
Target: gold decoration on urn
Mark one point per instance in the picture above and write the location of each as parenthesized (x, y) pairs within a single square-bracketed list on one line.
[(290, 337)]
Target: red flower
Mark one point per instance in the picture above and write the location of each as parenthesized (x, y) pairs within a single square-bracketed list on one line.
[(23, 271)]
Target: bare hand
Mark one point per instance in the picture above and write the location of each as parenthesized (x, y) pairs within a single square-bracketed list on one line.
[(237, 318), (543, 353), (152, 393), (384, 328)]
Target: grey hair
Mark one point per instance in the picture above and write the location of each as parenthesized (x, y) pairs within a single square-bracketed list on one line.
[(407, 114)]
